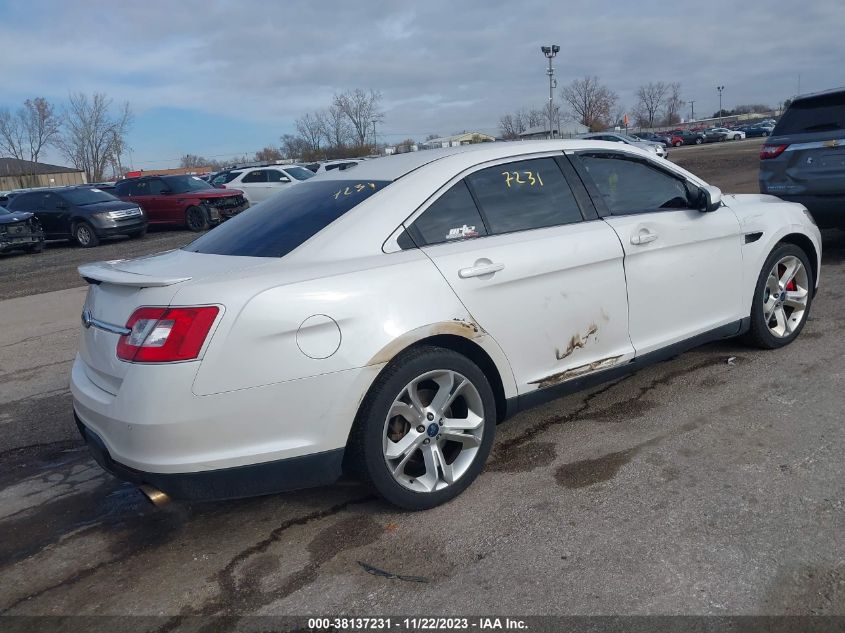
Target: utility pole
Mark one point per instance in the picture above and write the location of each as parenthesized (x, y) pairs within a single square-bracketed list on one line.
[(375, 137), (692, 110), (720, 89), (550, 52)]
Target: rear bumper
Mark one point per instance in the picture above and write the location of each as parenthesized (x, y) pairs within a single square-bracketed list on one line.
[(228, 483)]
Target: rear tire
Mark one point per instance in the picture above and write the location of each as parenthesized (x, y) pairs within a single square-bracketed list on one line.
[(450, 399), (196, 219), (780, 308), (84, 235)]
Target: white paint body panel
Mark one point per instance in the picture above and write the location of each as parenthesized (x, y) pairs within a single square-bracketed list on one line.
[(265, 388)]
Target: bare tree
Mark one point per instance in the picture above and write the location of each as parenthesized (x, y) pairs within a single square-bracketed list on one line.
[(336, 127), (650, 99), (192, 161), (310, 128), (293, 146), (26, 133), (590, 101), (361, 108), (268, 154), (92, 133), (673, 105), (511, 126)]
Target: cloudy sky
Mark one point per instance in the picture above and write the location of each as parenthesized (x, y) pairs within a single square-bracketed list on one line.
[(221, 78)]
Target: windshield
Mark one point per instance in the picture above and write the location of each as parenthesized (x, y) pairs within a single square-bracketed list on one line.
[(183, 184), (300, 173), (4, 211), (81, 197), (278, 225)]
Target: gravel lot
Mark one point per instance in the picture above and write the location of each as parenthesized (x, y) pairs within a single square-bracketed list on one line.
[(696, 486)]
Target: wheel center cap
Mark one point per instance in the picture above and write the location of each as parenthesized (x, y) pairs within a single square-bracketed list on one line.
[(432, 430)]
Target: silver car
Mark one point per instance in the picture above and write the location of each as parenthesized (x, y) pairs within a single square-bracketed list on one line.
[(617, 137)]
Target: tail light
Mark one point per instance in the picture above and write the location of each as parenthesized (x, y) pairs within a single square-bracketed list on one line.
[(166, 335), (772, 151)]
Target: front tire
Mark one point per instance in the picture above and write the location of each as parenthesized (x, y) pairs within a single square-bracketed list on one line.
[(425, 428), (196, 219), (84, 235), (782, 298)]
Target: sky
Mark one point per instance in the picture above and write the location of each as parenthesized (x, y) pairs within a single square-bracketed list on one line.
[(219, 78)]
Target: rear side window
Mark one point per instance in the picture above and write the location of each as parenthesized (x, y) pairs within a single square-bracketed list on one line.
[(453, 216), (278, 225), (259, 175), (229, 176), (23, 202), (825, 113), (632, 186), (528, 194)]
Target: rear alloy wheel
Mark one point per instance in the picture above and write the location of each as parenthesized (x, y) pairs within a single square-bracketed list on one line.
[(699, 141), (426, 428), (782, 298), (84, 235), (196, 219)]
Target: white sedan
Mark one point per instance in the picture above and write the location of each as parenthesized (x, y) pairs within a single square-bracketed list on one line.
[(381, 320), (730, 135), (259, 183)]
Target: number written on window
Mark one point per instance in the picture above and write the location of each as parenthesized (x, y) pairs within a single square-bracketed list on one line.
[(353, 189), (515, 178)]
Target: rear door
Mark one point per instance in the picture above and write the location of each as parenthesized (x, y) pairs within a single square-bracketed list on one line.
[(57, 212), (255, 185), (537, 269), (682, 266), (805, 154)]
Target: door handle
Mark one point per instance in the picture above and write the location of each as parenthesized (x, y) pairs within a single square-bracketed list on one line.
[(643, 237), (480, 270)]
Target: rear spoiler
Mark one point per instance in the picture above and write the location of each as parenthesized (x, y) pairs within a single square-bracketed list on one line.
[(106, 273)]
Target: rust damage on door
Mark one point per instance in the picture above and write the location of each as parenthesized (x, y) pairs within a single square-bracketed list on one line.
[(577, 342), (575, 372)]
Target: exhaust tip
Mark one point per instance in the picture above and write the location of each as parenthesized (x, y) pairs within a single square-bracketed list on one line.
[(154, 495)]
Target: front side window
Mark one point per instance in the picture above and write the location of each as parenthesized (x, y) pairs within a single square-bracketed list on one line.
[(274, 175), (185, 184), (453, 216), (300, 173), (140, 188), (528, 194), (259, 175), (632, 186), (277, 226)]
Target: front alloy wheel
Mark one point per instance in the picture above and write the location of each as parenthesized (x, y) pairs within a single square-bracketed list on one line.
[(425, 428), (782, 297)]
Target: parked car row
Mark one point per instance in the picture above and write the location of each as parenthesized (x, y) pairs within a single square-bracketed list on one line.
[(616, 137), (87, 214)]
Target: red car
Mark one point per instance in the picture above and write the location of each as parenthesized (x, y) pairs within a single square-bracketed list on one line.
[(183, 200)]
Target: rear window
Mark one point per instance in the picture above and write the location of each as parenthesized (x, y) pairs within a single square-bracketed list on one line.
[(278, 225), (825, 113)]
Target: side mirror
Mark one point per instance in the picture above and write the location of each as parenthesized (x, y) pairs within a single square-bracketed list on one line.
[(711, 199), (284, 179)]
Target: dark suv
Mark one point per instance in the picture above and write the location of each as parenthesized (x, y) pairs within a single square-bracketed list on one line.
[(804, 159), (84, 214), (183, 200), (20, 230)]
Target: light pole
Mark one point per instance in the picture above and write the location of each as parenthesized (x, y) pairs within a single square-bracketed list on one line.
[(720, 89), (550, 52), (692, 110)]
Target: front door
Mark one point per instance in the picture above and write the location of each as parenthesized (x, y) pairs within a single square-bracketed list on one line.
[(683, 266), (541, 274)]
